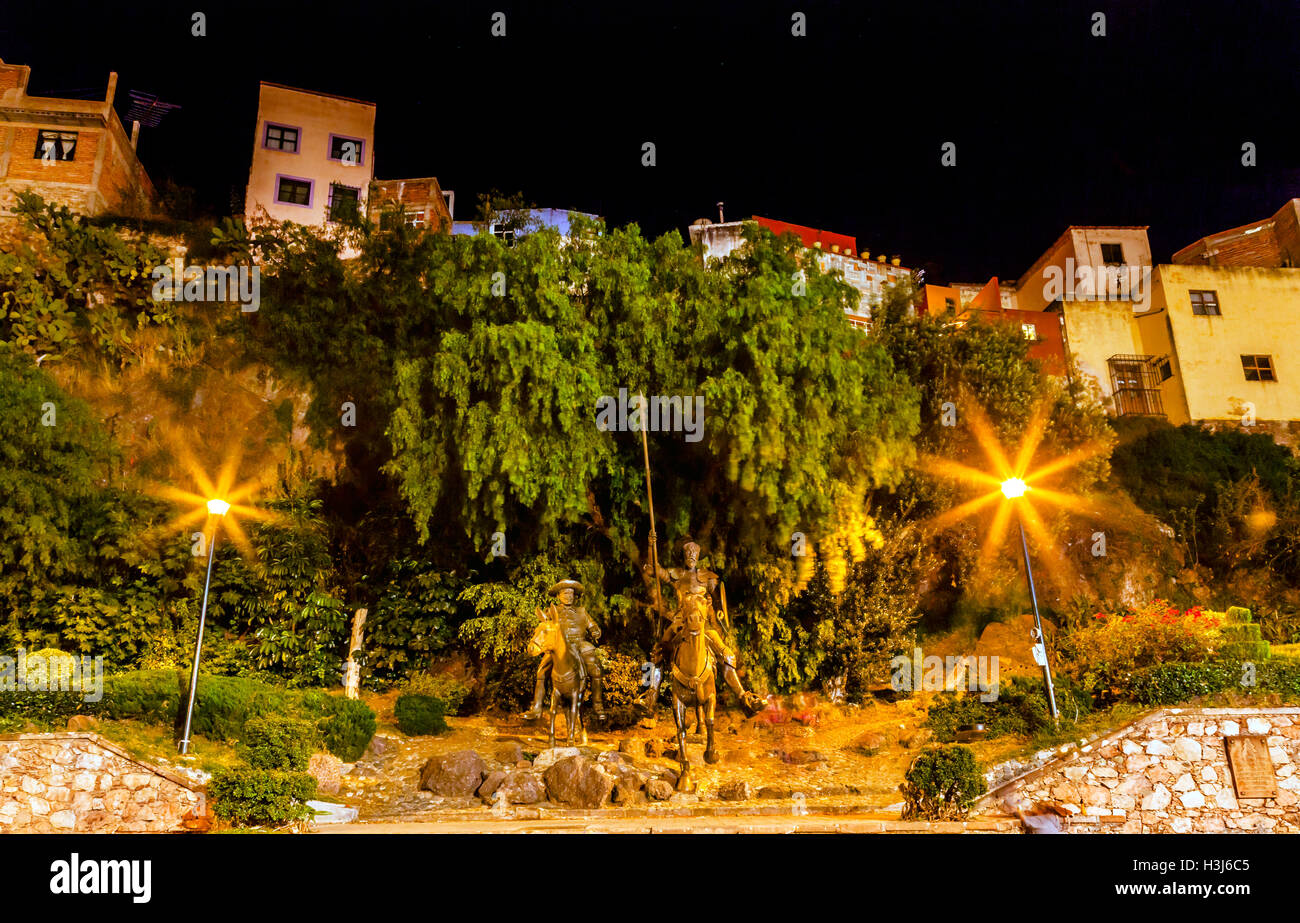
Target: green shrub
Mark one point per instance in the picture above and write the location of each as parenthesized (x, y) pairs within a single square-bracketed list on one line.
[(144, 695), (48, 709), (942, 784), (1021, 709), (254, 797), (276, 742), (419, 714), (442, 686), (223, 705), (346, 725)]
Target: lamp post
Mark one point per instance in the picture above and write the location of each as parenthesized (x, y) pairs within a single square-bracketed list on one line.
[(1013, 489), (217, 508)]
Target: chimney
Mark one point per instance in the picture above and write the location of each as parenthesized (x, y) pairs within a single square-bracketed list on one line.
[(721, 220), (135, 133)]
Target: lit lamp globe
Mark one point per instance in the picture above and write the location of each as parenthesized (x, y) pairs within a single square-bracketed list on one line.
[(1013, 487), (219, 507)]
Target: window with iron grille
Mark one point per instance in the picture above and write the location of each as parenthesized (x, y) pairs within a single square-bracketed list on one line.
[(55, 145), (293, 191), (1112, 254), (1258, 368), (1206, 303), (343, 202), (1135, 385), (281, 138)]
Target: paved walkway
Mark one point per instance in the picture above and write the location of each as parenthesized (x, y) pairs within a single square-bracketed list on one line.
[(812, 823)]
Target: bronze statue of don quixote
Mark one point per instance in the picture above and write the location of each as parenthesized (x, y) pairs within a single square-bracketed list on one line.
[(691, 643)]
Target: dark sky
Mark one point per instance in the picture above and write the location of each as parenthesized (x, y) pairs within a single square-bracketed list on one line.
[(840, 130)]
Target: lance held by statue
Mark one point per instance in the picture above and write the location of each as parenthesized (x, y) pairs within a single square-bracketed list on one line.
[(695, 581), (581, 634)]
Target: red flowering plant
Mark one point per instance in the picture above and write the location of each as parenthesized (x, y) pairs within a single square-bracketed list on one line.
[(1109, 647)]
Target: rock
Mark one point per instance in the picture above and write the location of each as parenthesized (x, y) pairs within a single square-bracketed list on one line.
[(737, 757), (611, 760), (915, 739), (1158, 748), (82, 723), (454, 775), (1187, 749), (578, 782), (379, 745), (658, 790), (834, 790), (653, 748), (775, 791), (632, 745), (684, 798), (548, 758), (330, 813), (738, 790), (491, 782), (508, 753), (626, 794), (1185, 783), (1158, 800), (802, 757), (522, 788), (327, 770), (870, 741)]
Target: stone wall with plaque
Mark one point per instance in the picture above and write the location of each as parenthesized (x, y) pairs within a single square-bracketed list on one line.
[(1179, 770)]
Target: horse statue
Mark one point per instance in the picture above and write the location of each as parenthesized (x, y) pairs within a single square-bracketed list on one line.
[(694, 673), (568, 678)]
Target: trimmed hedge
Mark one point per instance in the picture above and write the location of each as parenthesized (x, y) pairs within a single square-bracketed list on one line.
[(256, 797), (347, 725), (1174, 683), (1020, 709)]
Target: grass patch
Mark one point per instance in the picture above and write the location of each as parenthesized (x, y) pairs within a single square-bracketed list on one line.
[(151, 742)]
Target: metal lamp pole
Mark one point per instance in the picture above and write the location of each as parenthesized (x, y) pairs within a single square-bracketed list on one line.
[(217, 508), (1014, 489)]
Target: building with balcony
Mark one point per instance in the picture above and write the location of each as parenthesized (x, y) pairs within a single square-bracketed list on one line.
[(71, 151)]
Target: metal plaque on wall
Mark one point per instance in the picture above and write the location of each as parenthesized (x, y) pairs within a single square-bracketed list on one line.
[(1252, 767)]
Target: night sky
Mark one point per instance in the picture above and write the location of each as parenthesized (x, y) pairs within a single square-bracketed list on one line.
[(839, 130)]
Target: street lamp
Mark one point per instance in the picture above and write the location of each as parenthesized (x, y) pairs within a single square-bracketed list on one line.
[(217, 508), (1013, 488)]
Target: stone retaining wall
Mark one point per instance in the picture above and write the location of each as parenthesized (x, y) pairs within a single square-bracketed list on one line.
[(1169, 773), (81, 783)]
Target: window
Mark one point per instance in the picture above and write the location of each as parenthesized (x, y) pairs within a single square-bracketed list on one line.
[(346, 150), (1029, 331), (1166, 369), (1258, 368), (949, 304), (1112, 254), (292, 191), (1206, 303), (343, 201), (414, 218), (504, 234), (281, 138), (55, 145)]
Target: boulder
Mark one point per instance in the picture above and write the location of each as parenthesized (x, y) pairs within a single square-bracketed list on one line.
[(738, 790), (378, 746), (522, 788), (548, 758), (455, 775), (327, 770), (775, 791), (658, 790), (578, 782), (82, 723), (654, 748), (633, 746), (801, 757), (625, 793)]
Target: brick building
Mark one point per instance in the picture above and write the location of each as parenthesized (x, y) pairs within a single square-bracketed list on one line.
[(1273, 243), (71, 151), (422, 203)]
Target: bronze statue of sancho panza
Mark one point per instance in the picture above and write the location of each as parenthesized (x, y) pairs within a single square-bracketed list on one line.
[(581, 633)]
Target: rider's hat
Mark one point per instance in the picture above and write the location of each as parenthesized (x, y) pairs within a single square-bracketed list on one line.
[(565, 585)]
